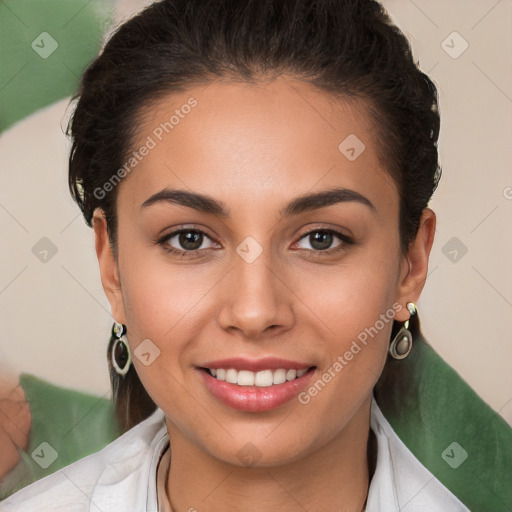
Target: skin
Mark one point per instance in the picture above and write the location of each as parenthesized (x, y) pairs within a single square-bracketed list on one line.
[(255, 148)]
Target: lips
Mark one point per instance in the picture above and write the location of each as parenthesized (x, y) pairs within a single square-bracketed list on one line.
[(255, 385)]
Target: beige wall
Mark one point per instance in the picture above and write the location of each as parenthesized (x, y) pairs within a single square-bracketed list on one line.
[(55, 320)]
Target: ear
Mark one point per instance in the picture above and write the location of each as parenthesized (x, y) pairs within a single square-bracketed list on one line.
[(108, 266), (415, 264)]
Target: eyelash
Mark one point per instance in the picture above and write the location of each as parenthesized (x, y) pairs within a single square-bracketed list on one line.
[(163, 242)]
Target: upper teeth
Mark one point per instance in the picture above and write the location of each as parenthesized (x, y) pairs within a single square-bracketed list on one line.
[(261, 379)]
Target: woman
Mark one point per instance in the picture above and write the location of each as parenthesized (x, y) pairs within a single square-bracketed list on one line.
[(257, 175)]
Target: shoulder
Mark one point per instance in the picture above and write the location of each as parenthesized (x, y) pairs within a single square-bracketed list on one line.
[(122, 463), (400, 480)]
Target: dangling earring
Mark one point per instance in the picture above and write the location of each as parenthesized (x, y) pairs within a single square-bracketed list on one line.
[(121, 359), (401, 345)]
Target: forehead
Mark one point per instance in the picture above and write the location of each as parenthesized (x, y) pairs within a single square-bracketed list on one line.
[(251, 142)]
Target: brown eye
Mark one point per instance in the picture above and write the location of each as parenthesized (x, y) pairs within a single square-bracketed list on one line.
[(190, 240), (322, 240), (186, 240)]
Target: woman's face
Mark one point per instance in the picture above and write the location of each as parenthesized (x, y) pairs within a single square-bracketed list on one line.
[(269, 271)]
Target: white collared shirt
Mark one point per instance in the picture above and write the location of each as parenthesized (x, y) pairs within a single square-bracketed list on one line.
[(122, 477)]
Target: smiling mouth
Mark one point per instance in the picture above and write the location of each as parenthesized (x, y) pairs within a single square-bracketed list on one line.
[(262, 379)]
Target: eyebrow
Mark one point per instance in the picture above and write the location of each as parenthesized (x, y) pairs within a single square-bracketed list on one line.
[(301, 204)]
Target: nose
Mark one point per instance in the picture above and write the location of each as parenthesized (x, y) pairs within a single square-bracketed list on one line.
[(256, 298)]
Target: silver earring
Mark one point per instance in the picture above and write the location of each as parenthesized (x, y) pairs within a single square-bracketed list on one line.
[(121, 358), (401, 345)]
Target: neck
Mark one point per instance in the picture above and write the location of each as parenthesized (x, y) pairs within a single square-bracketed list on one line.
[(334, 478)]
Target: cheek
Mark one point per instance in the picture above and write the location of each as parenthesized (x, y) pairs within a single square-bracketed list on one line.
[(158, 295), (351, 297)]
